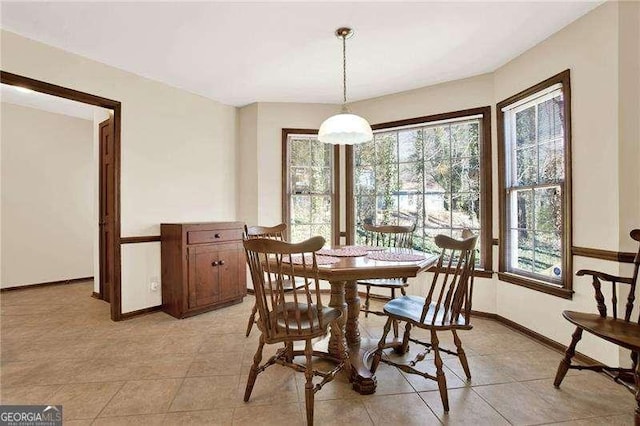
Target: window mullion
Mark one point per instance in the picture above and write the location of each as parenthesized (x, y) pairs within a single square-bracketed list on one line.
[(424, 184), (450, 183), (398, 178)]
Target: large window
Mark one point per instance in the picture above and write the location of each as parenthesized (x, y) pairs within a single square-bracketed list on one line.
[(433, 172), (309, 186), (534, 142)]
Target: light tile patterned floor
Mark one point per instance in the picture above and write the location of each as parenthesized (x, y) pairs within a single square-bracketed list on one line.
[(59, 347)]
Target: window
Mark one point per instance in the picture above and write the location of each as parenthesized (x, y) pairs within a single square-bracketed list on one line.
[(432, 171), (535, 194), (309, 182)]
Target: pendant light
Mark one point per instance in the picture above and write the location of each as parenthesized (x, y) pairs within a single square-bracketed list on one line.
[(345, 128)]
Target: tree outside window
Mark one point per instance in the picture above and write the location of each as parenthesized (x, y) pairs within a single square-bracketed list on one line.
[(428, 173), (308, 187)]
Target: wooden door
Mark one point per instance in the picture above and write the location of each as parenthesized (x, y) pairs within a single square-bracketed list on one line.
[(107, 208), (204, 287)]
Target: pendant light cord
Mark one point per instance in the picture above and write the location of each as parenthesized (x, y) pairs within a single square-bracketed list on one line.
[(344, 69)]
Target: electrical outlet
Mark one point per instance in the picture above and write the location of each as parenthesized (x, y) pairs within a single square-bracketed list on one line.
[(154, 285)]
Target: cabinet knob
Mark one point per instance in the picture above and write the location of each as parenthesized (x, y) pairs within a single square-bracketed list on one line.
[(214, 263), (221, 263), (217, 236)]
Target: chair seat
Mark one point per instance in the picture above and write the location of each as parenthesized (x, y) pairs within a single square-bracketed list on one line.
[(622, 333), (289, 285), (409, 309), (385, 283), (307, 326)]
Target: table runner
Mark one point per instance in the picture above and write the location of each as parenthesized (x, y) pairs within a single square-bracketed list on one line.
[(396, 257), (296, 259), (349, 251)]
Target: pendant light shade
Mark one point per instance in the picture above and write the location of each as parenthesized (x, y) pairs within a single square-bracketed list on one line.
[(345, 128)]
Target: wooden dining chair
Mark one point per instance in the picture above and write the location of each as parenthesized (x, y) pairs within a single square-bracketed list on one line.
[(446, 307), (276, 232), (623, 332), (290, 317), (386, 236)]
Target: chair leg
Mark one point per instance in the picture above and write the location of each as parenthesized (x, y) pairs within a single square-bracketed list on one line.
[(461, 355), (405, 338), (342, 350), (636, 378), (308, 387), (566, 361), (253, 373), (442, 380), (378, 354), (289, 351), (403, 291), (366, 303), (395, 323), (252, 319)]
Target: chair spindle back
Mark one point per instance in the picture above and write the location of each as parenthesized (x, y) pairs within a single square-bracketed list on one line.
[(615, 280), (389, 235), (272, 263), (635, 234), (276, 232), (451, 290)]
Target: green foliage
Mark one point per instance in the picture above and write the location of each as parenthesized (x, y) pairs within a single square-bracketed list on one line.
[(429, 176), (310, 173), (539, 169)]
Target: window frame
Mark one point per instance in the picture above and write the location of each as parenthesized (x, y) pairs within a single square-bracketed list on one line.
[(565, 290), (286, 184), (486, 220)]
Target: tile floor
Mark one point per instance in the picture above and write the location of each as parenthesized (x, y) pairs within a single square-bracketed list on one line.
[(59, 347)]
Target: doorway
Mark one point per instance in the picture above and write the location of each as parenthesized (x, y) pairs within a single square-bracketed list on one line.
[(109, 186)]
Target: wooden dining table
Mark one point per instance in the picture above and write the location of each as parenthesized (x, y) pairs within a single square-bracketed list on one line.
[(343, 276)]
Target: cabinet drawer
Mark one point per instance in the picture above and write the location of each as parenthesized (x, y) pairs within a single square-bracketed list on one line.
[(213, 236)]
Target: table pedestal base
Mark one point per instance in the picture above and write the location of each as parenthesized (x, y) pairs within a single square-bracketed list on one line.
[(364, 382), (344, 296), (361, 355)]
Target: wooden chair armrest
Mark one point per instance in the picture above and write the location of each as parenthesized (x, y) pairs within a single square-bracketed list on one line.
[(604, 276)]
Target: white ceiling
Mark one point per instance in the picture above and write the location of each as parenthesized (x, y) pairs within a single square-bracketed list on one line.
[(238, 53), (42, 101)]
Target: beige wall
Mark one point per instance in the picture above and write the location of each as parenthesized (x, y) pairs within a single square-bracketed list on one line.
[(629, 120), (47, 196), (178, 151), (248, 166), (629, 125)]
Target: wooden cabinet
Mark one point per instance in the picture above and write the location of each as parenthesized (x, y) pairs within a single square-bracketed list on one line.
[(203, 266)]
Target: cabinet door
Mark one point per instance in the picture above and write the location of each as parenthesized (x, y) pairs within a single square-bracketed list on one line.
[(204, 286), (232, 258), (214, 273)]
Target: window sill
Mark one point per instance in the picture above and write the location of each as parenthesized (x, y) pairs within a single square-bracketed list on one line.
[(482, 273), (535, 285)]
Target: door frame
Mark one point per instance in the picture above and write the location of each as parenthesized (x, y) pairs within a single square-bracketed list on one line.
[(115, 292)]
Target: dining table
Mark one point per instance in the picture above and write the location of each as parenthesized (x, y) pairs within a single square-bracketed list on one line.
[(343, 272)]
